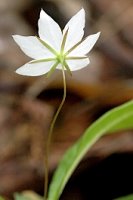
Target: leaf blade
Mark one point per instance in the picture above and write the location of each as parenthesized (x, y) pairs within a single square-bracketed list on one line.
[(128, 197), (73, 155)]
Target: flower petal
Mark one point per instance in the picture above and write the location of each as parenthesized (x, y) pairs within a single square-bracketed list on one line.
[(31, 46), (59, 66), (75, 29), (49, 30), (85, 46), (77, 64), (35, 69)]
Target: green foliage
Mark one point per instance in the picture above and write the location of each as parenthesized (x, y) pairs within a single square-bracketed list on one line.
[(27, 195), (128, 197), (116, 119), (2, 198), (18, 196)]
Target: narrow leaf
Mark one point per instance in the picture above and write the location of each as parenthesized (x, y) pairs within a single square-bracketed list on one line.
[(121, 116), (19, 196), (27, 195), (2, 198), (128, 197)]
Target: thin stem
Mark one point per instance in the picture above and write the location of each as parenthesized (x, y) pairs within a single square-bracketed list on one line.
[(50, 135)]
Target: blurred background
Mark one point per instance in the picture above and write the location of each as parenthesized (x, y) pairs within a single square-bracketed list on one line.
[(27, 104)]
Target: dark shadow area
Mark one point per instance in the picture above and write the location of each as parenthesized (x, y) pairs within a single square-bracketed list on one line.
[(109, 179)]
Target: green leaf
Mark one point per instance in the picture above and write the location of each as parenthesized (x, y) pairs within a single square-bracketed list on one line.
[(27, 195), (2, 198), (128, 197), (18, 196), (116, 119)]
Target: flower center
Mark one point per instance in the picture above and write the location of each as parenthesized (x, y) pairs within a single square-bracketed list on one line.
[(61, 58)]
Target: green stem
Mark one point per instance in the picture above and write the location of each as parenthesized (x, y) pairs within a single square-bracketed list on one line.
[(50, 135)]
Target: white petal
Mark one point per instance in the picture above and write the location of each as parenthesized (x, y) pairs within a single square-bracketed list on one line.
[(31, 46), (59, 66), (49, 30), (35, 69), (85, 46), (75, 29), (78, 64)]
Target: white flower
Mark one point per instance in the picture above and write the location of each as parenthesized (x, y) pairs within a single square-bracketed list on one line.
[(55, 48)]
